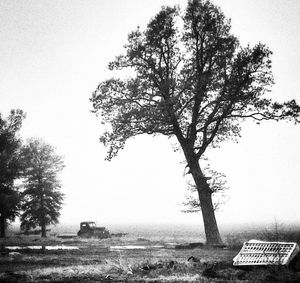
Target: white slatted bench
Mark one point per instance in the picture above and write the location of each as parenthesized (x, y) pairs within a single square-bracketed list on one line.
[(266, 253)]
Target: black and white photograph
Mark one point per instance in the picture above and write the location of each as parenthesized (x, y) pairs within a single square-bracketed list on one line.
[(149, 141)]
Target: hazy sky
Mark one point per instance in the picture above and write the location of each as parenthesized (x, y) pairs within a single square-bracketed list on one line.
[(53, 53)]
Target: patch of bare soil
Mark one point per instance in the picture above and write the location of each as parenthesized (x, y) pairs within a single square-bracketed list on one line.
[(125, 260)]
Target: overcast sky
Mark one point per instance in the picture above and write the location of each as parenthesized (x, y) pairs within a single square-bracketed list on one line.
[(53, 54)]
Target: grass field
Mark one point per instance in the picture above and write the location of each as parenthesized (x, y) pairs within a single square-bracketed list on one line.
[(132, 259)]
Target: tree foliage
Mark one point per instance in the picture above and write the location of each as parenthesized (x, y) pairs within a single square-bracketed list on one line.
[(198, 83), (192, 81), (42, 198), (10, 166)]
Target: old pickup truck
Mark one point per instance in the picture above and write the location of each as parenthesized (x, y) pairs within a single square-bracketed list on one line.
[(88, 229)]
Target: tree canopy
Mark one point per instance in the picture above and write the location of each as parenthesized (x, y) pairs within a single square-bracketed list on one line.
[(42, 198), (197, 83), (191, 80), (10, 167)]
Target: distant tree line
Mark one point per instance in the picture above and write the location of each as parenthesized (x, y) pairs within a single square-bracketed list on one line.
[(29, 184)]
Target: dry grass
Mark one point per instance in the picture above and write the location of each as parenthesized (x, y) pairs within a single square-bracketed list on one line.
[(92, 263)]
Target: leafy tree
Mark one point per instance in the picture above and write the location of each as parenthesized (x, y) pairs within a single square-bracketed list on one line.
[(192, 81), (42, 199), (10, 167), (217, 184)]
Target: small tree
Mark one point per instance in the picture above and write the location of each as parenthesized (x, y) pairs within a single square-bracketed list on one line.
[(10, 167), (217, 183), (42, 199), (194, 83)]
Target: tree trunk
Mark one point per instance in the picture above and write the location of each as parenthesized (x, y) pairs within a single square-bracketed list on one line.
[(43, 226), (204, 192), (43, 214), (210, 223), (42, 220), (2, 227)]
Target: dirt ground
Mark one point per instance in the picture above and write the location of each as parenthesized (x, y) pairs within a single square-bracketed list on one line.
[(124, 259)]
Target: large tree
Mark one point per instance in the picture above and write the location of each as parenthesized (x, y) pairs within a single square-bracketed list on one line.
[(41, 197), (193, 81), (10, 167)]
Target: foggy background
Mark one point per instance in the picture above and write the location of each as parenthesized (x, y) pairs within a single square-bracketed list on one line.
[(53, 54)]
